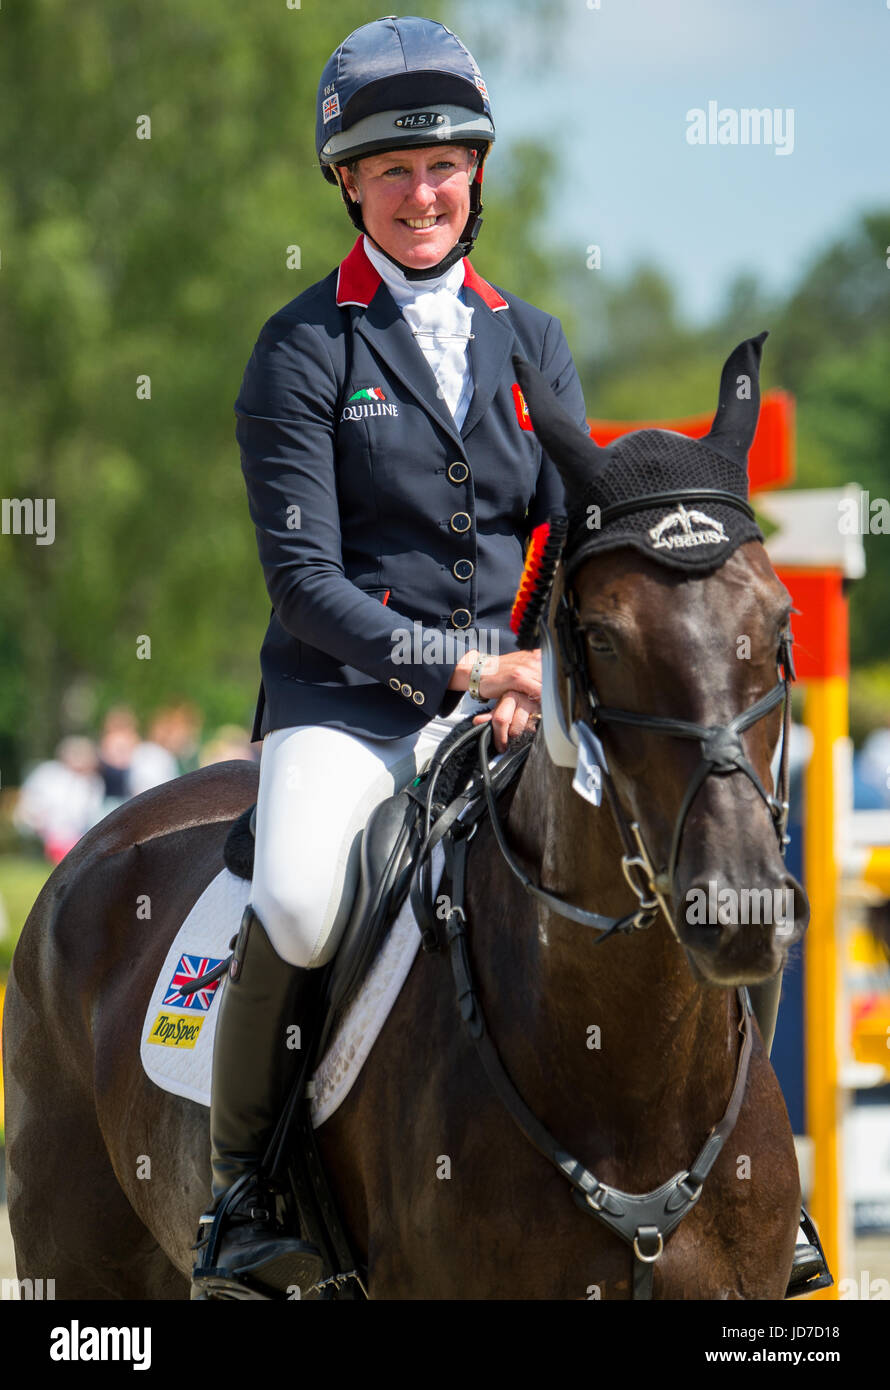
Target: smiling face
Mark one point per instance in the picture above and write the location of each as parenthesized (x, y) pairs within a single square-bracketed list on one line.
[(414, 202)]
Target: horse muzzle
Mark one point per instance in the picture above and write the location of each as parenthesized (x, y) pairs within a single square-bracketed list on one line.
[(739, 934)]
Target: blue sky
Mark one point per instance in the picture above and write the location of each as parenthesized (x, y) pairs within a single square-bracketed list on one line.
[(613, 87)]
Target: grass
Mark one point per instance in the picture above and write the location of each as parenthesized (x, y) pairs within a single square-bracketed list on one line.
[(21, 879)]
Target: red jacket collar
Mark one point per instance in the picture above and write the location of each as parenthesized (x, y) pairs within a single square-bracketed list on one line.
[(358, 280), (486, 292)]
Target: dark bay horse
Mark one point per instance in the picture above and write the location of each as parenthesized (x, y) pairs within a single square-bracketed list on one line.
[(625, 1049)]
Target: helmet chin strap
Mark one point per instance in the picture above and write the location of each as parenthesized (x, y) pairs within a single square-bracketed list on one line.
[(462, 248)]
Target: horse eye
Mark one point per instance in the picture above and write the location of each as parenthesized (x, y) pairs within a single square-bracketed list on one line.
[(597, 640)]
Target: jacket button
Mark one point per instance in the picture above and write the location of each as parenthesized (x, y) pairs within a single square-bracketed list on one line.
[(461, 521), (458, 472), (395, 683), (418, 697), (461, 617), (462, 569), (406, 690)]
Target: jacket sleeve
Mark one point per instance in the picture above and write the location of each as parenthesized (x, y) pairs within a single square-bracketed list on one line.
[(285, 413), (559, 369)]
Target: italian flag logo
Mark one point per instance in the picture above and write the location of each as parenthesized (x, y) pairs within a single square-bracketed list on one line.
[(371, 393)]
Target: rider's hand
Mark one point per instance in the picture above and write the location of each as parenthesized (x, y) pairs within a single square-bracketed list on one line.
[(510, 716), (516, 671)]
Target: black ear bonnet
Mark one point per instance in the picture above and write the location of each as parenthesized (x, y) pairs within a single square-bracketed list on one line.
[(680, 501)]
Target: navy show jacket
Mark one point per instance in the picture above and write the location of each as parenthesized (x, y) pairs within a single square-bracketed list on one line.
[(381, 526)]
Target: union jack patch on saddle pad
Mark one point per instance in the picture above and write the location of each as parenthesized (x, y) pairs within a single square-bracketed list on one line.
[(185, 989)]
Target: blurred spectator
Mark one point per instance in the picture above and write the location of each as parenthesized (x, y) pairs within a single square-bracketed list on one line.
[(170, 749), (150, 765), (230, 741), (178, 729), (62, 798), (131, 765), (153, 762), (117, 743)]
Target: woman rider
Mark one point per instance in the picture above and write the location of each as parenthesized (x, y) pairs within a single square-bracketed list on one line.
[(393, 480)]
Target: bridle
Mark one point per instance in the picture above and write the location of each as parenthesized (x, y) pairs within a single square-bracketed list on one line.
[(722, 752)]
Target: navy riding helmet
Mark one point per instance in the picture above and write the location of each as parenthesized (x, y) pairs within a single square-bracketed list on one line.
[(404, 82)]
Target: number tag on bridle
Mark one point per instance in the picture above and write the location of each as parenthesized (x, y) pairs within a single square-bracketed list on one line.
[(588, 779)]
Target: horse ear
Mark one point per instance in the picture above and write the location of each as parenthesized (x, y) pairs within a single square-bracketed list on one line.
[(571, 448), (735, 423)]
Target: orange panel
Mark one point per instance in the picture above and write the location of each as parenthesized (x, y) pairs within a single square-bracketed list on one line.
[(821, 629)]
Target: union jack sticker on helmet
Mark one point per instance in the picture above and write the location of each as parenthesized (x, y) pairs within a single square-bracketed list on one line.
[(331, 108)]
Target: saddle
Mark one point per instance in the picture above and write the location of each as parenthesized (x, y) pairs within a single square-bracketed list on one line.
[(396, 844), (388, 844)]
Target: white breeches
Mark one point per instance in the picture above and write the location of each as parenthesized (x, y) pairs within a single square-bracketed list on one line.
[(318, 786)]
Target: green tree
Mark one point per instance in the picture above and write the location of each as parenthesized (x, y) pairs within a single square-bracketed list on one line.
[(126, 258)]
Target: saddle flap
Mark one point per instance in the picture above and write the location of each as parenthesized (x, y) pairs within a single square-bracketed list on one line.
[(388, 843)]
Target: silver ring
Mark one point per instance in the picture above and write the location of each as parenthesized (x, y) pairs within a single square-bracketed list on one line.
[(649, 1259)]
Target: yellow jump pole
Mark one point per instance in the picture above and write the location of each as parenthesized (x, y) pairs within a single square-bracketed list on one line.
[(821, 638)]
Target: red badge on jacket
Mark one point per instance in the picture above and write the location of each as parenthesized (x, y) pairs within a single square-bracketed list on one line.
[(522, 415)]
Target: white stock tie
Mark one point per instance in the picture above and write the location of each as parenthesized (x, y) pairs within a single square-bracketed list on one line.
[(441, 324)]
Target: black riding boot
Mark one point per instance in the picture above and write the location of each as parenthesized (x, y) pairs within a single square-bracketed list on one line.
[(244, 1247), (809, 1269)]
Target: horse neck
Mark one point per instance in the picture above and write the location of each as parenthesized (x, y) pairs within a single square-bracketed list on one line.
[(663, 1034)]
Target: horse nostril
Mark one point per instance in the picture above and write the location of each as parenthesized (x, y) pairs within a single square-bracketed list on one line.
[(800, 914), (711, 906)]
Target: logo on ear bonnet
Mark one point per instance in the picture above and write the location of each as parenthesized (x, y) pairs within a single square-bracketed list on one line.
[(664, 537)]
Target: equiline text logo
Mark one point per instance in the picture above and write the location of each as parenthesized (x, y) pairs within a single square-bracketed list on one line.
[(370, 401)]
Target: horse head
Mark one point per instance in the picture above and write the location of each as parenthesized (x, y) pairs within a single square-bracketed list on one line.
[(667, 660)]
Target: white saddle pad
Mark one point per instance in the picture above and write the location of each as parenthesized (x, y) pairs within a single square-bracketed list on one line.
[(179, 1028)]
